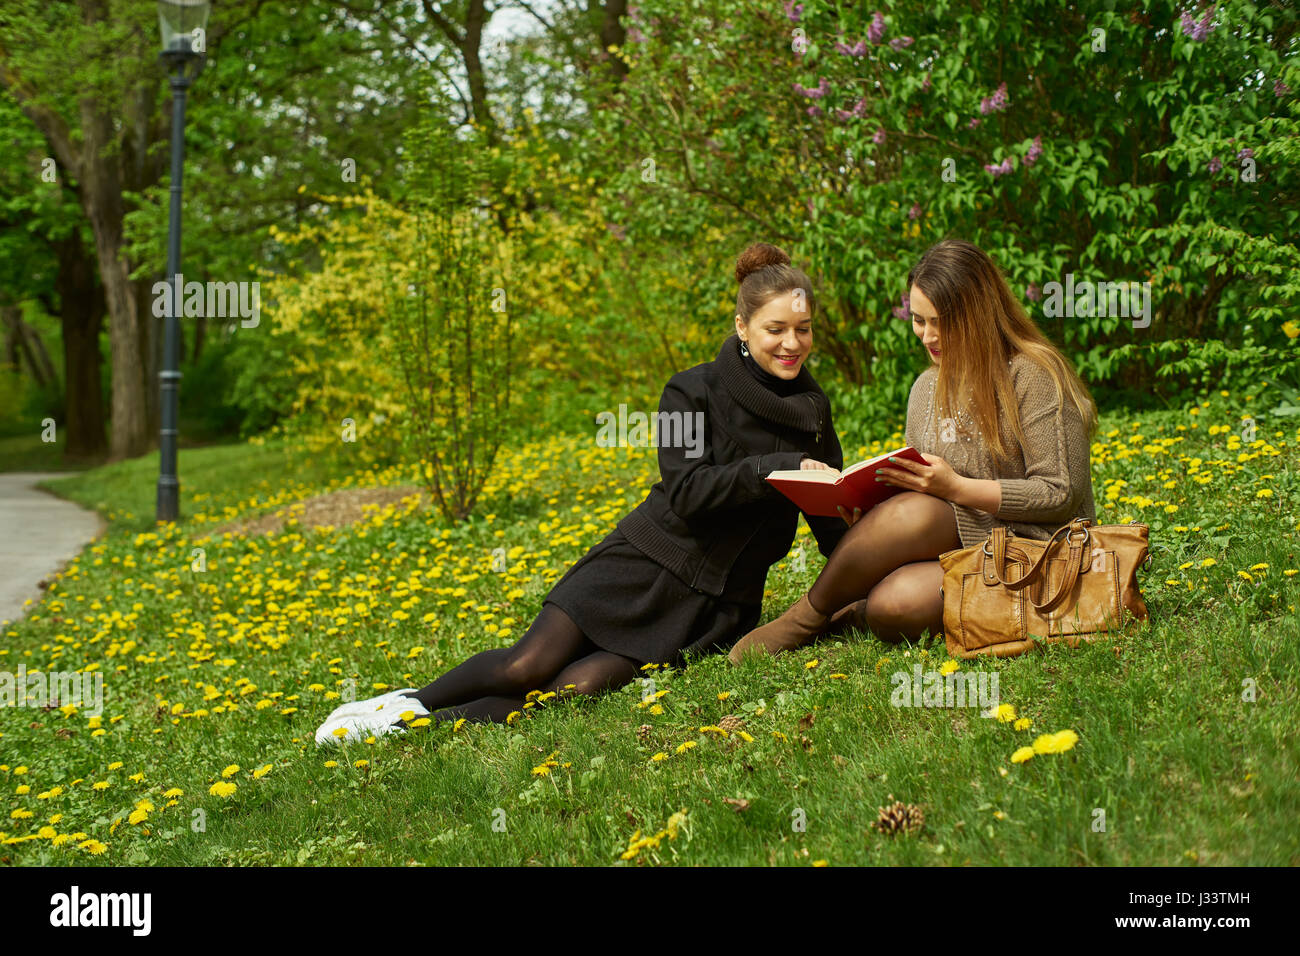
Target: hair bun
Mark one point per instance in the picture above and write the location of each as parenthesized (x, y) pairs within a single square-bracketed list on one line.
[(757, 256)]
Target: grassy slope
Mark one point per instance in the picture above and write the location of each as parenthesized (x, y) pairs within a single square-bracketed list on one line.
[(238, 665)]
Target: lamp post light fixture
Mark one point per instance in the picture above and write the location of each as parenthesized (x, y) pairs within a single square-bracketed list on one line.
[(183, 24)]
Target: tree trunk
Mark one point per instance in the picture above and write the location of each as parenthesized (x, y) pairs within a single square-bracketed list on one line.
[(612, 32), (101, 197), (81, 307), (22, 342), (151, 345)]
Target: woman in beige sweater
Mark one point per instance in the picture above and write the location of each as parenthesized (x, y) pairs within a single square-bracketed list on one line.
[(1005, 425)]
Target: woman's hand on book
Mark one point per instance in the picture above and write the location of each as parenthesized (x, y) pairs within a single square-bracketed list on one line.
[(935, 478), (809, 464), (857, 513)]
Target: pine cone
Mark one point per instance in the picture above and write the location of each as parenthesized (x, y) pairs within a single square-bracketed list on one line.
[(643, 732), (731, 723), (899, 817)]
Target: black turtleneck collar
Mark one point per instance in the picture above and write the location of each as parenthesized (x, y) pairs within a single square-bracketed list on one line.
[(798, 402), (781, 386)]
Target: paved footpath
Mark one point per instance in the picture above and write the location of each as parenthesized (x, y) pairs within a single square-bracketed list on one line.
[(39, 534)]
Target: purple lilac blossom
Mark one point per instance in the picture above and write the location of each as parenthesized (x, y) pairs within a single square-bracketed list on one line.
[(1198, 30), (859, 108), (876, 32), (998, 101), (822, 88), (903, 308), (1035, 150)]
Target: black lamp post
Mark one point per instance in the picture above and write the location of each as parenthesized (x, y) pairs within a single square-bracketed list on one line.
[(183, 23)]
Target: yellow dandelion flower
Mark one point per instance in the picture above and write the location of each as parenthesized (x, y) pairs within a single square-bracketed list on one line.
[(221, 789), (230, 771), (948, 667), (1023, 754)]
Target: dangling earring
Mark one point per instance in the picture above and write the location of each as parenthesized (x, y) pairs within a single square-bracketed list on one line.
[(744, 349)]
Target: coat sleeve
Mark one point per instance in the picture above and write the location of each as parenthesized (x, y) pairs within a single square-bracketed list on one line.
[(828, 531), (694, 482)]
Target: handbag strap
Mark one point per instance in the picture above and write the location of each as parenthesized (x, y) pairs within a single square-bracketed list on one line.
[(1073, 568), (998, 543)]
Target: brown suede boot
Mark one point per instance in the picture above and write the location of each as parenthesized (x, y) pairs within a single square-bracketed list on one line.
[(851, 617), (798, 626)]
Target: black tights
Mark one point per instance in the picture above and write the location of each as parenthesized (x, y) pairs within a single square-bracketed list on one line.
[(552, 656)]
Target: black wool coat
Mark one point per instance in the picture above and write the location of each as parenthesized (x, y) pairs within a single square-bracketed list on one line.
[(713, 520)]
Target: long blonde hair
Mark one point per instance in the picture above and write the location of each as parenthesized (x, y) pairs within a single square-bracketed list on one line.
[(982, 325)]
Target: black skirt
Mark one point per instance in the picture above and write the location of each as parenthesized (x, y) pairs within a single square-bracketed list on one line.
[(628, 604)]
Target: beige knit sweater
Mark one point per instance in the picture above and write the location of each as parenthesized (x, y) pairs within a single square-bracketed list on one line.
[(1049, 479)]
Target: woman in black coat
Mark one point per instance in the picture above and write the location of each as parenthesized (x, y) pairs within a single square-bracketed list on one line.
[(684, 572)]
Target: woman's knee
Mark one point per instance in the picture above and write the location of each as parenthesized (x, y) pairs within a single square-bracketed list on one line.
[(522, 669), (595, 674), (912, 509), (896, 611)]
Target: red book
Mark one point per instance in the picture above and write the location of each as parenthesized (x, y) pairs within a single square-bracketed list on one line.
[(818, 491)]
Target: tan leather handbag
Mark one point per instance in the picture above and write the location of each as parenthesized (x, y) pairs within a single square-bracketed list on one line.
[(1004, 596)]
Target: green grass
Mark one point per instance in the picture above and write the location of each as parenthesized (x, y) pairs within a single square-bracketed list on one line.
[(125, 492), (1186, 771), (29, 453)]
